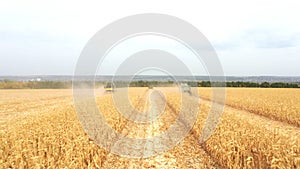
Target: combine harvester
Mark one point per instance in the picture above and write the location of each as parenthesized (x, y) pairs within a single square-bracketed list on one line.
[(185, 88), (109, 87)]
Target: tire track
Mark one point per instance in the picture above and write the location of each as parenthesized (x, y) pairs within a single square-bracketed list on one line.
[(110, 158), (193, 134), (188, 153)]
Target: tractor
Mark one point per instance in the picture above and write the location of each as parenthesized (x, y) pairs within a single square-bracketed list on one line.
[(109, 87), (186, 88)]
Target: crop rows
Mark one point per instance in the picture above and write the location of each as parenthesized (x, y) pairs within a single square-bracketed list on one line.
[(49, 135), (278, 104)]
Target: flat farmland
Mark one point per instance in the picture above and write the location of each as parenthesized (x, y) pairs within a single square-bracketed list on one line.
[(278, 104), (259, 129)]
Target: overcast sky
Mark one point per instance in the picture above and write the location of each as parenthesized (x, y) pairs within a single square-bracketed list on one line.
[(250, 38)]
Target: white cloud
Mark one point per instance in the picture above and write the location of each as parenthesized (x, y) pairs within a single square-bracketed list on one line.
[(58, 30)]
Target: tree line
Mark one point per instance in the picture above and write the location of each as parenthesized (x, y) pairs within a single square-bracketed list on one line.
[(247, 84), (6, 84), (217, 84)]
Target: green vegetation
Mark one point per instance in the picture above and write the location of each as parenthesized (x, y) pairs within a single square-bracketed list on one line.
[(151, 84), (7, 84)]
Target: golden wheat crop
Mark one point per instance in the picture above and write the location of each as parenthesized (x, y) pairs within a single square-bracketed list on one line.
[(278, 104), (246, 140), (40, 129)]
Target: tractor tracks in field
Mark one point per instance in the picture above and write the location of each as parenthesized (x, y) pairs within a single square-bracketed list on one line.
[(262, 122), (187, 153), (125, 131), (193, 139)]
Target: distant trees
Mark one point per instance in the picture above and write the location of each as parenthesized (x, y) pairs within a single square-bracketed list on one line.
[(150, 84), (264, 85), (216, 84), (249, 84), (35, 85), (284, 85), (204, 84), (7, 84), (242, 84)]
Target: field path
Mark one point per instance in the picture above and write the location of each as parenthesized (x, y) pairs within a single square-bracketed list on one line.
[(187, 154)]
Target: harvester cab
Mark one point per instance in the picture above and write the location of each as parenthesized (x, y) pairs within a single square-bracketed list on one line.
[(185, 88), (109, 87)]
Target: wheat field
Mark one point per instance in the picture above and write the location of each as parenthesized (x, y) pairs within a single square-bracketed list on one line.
[(259, 129)]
